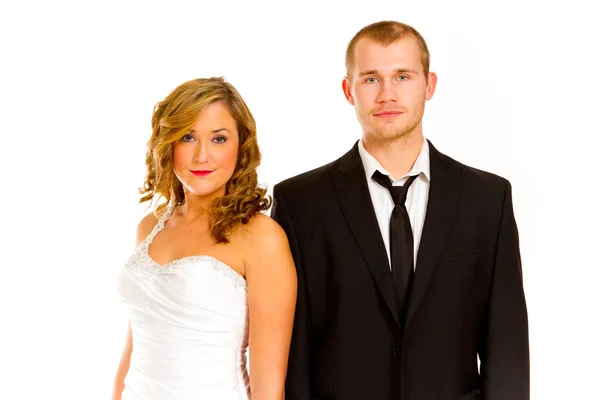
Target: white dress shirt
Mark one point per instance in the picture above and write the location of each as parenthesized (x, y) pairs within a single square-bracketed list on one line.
[(416, 200)]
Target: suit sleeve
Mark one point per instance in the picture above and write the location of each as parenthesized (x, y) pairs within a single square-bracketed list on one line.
[(504, 351), (297, 385)]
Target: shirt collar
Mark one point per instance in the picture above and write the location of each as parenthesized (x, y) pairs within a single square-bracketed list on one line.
[(370, 164)]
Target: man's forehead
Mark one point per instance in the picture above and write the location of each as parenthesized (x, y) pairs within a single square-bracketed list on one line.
[(399, 54)]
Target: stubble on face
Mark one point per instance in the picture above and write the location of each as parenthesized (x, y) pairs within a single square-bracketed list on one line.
[(386, 132), (388, 78)]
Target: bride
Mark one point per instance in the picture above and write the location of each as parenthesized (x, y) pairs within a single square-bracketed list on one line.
[(212, 276)]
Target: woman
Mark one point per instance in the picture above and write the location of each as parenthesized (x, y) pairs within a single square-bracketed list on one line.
[(211, 275)]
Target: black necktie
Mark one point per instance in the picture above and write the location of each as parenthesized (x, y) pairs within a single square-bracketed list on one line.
[(401, 240)]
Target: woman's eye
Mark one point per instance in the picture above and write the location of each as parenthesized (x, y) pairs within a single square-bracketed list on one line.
[(187, 138), (219, 139)]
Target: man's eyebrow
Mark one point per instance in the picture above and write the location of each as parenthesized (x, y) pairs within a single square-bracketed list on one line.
[(398, 71)]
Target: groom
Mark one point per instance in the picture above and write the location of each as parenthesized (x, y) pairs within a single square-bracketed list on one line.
[(408, 261)]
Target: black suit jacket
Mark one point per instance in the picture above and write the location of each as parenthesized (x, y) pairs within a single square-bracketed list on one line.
[(466, 300)]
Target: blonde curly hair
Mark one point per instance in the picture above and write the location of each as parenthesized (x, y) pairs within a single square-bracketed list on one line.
[(172, 119)]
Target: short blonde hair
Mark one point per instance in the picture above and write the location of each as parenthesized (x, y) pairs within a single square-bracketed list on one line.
[(386, 33)]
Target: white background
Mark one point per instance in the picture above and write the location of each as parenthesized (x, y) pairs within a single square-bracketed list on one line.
[(517, 96)]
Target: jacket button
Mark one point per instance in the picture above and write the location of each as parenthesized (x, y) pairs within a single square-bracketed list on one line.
[(396, 351)]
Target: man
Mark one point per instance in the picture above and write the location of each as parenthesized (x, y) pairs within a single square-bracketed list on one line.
[(408, 262)]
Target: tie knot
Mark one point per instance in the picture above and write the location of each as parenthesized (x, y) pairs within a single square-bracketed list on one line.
[(398, 192)]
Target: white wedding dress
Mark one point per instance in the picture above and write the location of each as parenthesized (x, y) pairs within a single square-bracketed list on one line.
[(189, 321)]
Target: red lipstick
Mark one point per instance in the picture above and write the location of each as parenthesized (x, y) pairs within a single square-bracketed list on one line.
[(202, 172)]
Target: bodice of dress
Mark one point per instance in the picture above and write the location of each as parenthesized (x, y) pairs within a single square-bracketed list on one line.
[(189, 321)]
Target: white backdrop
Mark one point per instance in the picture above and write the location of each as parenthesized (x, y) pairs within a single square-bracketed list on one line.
[(517, 95)]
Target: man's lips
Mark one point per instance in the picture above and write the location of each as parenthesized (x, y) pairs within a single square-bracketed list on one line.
[(388, 114), (202, 172)]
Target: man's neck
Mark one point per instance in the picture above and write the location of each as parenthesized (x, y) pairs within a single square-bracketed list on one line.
[(398, 156)]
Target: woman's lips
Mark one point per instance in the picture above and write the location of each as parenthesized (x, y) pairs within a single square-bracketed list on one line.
[(202, 172)]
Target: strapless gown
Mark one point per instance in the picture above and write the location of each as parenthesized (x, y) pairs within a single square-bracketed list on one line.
[(189, 321)]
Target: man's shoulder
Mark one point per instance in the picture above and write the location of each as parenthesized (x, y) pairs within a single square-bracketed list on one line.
[(308, 180), (475, 176), (480, 176)]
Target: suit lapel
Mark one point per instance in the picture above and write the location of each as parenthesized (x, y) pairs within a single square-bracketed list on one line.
[(350, 186), (444, 191)]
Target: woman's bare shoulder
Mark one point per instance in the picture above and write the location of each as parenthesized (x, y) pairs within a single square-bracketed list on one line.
[(264, 229), (145, 226), (264, 238)]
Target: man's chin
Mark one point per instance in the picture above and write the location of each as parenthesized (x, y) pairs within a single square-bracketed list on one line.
[(390, 133)]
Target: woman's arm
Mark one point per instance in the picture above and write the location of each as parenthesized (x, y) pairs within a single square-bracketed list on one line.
[(272, 286), (143, 230), (119, 383)]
